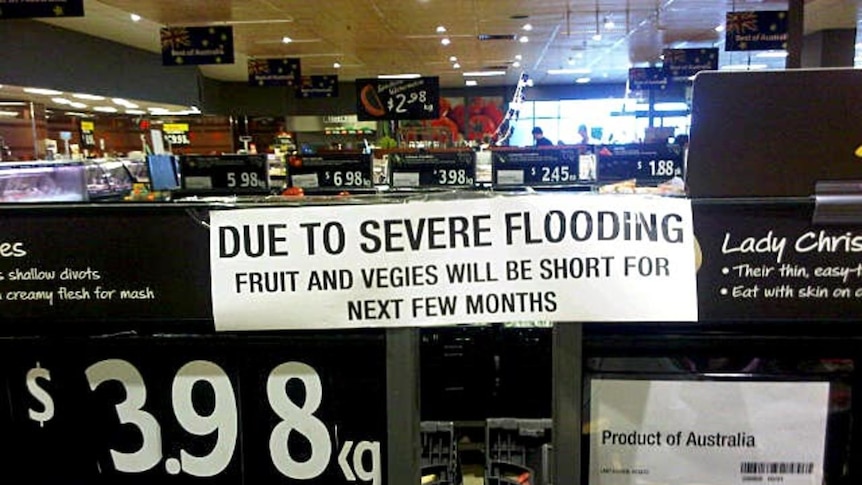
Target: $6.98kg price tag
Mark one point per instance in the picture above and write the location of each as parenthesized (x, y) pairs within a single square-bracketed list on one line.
[(356, 461)]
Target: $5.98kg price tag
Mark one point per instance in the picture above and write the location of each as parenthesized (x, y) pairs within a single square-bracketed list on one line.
[(191, 422)]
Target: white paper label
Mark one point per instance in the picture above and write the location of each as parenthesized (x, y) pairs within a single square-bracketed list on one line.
[(405, 179), (199, 183), (728, 433), (561, 257), (510, 177), (305, 180)]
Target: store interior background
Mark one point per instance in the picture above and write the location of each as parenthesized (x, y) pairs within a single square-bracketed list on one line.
[(577, 54)]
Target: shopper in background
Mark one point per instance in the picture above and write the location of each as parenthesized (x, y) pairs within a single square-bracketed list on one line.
[(539, 138), (583, 135)]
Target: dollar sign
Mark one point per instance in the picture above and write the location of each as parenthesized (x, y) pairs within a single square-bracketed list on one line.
[(40, 395), (640, 164), (390, 103)]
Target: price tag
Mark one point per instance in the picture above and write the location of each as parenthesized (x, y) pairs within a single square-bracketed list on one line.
[(644, 163), (433, 169), (176, 134), (331, 172), (152, 411), (224, 174), (552, 167), (88, 136), (398, 99)]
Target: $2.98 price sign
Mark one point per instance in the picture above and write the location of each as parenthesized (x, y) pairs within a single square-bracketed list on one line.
[(130, 420), (398, 99)]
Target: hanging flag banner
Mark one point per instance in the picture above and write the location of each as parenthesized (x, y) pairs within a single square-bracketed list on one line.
[(452, 262), (273, 72), (182, 46), (682, 432), (88, 134), (681, 64), (756, 31), (646, 78), (20, 9), (318, 87)]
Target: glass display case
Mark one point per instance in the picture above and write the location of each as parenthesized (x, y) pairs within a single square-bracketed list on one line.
[(113, 178), (43, 181)]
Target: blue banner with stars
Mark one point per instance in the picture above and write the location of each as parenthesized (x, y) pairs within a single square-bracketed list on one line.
[(318, 87), (273, 72), (681, 64), (18, 9), (756, 31), (646, 78), (186, 46)]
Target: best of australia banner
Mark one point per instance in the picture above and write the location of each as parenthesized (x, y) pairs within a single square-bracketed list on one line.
[(756, 31), (318, 87), (24, 9), (274, 72), (680, 64), (183, 46)]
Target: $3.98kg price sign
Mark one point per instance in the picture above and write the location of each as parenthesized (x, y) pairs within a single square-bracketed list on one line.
[(433, 169), (143, 411)]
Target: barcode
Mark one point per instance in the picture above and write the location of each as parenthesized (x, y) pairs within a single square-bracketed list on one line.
[(776, 468)]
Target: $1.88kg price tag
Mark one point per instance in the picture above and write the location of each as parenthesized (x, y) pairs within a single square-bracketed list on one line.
[(194, 423)]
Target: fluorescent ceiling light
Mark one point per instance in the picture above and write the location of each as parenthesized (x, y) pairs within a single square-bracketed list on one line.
[(105, 109), (556, 72), (523, 39), (89, 97), (46, 92), (135, 17), (776, 54), (156, 110), (8, 113), (527, 27), (516, 64), (582, 80), (399, 76), (484, 73), (12, 103), (519, 57), (80, 115), (135, 112), (124, 103), (743, 67), (61, 101), (471, 82), (77, 105)]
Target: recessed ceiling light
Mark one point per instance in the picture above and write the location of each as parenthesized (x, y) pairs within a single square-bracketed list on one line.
[(523, 39), (516, 64), (471, 82), (46, 92), (453, 59), (399, 76), (105, 109), (89, 97), (719, 28), (135, 17), (456, 66), (484, 73), (441, 29), (445, 41), (582, 80), (336, 65), (609, 23), (527, 27), (77, 105), (597, 37), (519, 57), (286, 40)]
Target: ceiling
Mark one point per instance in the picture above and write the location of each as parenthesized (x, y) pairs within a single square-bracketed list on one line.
[(372, 37)]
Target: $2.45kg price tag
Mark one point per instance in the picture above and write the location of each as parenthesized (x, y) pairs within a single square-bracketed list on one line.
[(195, 420), (541, 167)]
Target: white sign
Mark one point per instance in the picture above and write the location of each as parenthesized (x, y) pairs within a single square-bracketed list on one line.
[(723, 433), (540, 257)]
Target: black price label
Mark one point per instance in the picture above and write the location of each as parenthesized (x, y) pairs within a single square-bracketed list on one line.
[(644, 163), (337, 171), (233, 174), (398, 99), (149, 410), (430, 170), (537, 167)]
